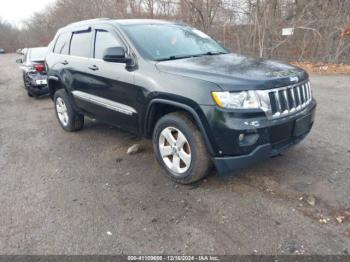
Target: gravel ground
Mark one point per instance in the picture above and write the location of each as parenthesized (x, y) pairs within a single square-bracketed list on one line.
[(80, 193)]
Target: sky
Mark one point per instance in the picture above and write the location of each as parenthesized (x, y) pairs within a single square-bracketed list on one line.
[(16, 11)]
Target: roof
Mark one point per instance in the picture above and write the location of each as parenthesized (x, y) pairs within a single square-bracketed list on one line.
[(90, 21), (140, 21), (81, 25), (118, 21)]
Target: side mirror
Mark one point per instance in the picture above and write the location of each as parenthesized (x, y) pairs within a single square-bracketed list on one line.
[(19, 61), (115, 54)]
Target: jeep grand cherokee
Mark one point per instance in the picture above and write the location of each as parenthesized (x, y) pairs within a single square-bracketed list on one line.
[(200, 103)]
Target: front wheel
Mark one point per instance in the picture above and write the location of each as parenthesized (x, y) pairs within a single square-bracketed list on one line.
[(180, 149), (66, 115)]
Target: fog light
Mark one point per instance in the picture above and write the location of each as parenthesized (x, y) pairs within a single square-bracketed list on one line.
[(248, 139)]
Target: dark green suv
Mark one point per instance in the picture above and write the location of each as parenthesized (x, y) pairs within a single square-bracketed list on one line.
[(200, 103)]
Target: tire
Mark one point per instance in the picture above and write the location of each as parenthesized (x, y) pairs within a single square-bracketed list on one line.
[(195, 161), (27, 86), (25, 81), (67, 117)]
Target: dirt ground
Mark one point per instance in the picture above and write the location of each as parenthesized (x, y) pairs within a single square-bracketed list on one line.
[(324, 68), (80, 193)]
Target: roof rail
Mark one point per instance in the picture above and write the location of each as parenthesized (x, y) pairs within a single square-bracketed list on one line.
[(90, 20)]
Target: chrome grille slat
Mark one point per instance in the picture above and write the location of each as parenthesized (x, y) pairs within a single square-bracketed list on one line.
[(278, 103), (304, 94), (286, 98), (289, 99), (299, 96), (308, 91), (293, 98)]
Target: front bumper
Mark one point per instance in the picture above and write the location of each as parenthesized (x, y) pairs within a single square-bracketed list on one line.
[(272, 136), (225, 165)]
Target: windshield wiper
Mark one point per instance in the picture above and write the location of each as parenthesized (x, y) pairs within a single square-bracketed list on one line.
[(173, 57), (212, 53)]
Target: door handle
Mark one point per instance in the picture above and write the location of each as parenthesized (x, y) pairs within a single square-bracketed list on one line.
[(64, 62), (93, 67)]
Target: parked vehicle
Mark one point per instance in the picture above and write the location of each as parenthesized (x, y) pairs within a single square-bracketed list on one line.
[(34, 71), (24, 51), (199, 102), (2, 51)]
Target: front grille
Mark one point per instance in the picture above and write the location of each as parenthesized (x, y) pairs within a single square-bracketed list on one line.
[(289, 99)]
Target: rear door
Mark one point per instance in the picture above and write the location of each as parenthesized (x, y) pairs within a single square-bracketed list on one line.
[(58, 55), (110, 90), (78, 77)]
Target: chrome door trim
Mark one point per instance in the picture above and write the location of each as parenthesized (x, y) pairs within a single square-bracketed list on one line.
[(112, 105)]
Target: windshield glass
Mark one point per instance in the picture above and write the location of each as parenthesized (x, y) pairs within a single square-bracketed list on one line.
[(37, 54), (170, 41)]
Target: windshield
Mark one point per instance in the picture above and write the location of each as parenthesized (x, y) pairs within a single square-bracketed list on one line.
[(170, 41), (37, 54)]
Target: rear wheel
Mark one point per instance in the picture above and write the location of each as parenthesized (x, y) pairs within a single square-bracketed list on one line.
[(180, 149), (26, 83), (68, 118)]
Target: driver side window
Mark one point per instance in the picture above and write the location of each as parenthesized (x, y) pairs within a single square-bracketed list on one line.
[(104, 40)]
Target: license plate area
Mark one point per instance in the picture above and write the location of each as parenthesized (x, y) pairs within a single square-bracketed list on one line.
[(281, 132), (302, 125), (41, 82)]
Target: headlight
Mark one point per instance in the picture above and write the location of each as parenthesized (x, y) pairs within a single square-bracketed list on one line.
[(237, 100)]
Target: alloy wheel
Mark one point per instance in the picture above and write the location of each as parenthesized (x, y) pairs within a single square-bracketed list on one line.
[(175, 150), (62, 112)]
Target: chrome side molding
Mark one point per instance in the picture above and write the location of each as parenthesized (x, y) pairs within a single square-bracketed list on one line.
[(112, 105)]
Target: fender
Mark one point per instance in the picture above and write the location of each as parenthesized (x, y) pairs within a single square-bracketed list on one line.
[(188, 109), (53, 78)]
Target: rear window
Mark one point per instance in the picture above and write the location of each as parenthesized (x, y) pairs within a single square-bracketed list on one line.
[(80, 44), (62, 44), (37, 54)]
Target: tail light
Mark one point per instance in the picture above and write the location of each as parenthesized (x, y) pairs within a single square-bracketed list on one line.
[(39, 67)]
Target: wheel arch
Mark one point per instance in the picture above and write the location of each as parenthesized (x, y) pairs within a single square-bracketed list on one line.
[(151, 117), (54, 84)]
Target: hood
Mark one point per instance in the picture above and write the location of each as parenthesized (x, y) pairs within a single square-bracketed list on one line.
[(235, 72)]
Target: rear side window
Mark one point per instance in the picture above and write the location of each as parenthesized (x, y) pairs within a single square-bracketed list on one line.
[(104, 40), (80, 44), (62, 44)]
